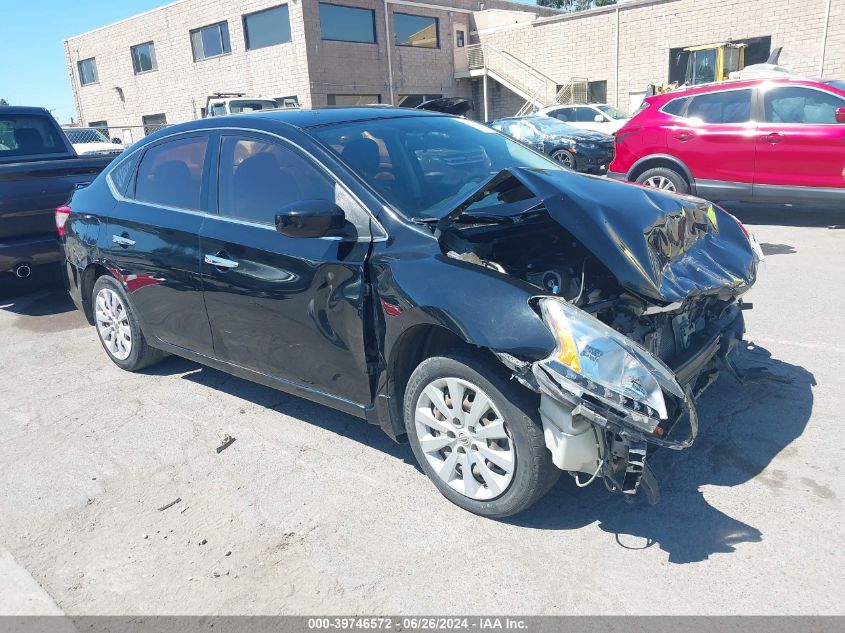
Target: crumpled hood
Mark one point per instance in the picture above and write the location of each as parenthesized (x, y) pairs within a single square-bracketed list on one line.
[(663, 246)]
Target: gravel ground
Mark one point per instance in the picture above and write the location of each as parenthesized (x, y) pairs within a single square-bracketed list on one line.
[(312, 511)]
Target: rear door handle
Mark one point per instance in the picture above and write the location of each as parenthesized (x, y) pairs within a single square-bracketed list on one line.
[(220, 262), (122, 240), (683, 135), (774, 137)]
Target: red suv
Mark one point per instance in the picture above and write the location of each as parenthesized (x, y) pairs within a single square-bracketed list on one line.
[(762, 140)]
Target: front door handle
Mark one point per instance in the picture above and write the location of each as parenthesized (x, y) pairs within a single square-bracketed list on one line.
[(220, 262), (774, 137), (122, 240)]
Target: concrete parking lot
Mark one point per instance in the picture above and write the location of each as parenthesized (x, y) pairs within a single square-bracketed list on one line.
[(313, 511)]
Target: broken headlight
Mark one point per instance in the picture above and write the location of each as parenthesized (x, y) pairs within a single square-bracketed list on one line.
[(592, 358)]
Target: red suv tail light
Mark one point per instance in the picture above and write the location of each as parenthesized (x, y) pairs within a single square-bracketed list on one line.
[(62, 214)]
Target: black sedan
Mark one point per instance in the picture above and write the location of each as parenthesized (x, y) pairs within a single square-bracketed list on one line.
[(510, 318), (581, 150)]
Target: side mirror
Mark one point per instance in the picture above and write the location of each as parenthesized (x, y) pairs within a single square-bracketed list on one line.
[(598, 118), (310, 218), (840, 115)]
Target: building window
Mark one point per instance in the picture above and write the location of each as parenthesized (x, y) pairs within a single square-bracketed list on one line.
[(267, 28), (103, 126), (415, 30), (153, 122), (144, 58), (211, 41), (412, 101), (87, 71), (347, 24), (460, 38), (352, 100)]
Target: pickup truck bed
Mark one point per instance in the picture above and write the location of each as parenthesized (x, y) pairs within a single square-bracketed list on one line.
[(33, 183)]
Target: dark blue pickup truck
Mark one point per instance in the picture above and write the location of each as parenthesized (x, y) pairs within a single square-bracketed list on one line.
[(39, 170)]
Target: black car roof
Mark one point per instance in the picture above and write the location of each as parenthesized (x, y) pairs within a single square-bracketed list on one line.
[(330, 116)]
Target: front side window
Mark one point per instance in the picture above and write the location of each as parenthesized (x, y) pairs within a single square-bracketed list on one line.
[(415, 30), (586, 115), (258, 178), (153, 122), (347, 24), (170, 174), (423, 166), (794, 104), (26, 135), (267, 28), (144, 58), (87, 71), (211, 41), (352, 100), (728, 106), (612, 112)]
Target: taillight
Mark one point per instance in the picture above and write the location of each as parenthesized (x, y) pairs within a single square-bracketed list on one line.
[(62, 214)]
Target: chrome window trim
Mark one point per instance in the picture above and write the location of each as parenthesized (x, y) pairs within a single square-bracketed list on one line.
[(119, 196)]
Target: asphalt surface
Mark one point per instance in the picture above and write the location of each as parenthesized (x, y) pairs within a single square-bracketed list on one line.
[(312, 511)]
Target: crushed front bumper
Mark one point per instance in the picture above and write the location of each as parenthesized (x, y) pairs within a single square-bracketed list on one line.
[(621, 445)]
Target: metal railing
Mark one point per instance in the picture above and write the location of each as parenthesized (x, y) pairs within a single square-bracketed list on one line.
[(538, 89)]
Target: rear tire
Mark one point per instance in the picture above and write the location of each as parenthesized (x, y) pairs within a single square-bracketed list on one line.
[(665, 179), (118, 328), (506, 428)]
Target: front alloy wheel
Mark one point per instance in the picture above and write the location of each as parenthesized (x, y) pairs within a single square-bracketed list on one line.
[(464, 438), (477, 434), (565, 158)]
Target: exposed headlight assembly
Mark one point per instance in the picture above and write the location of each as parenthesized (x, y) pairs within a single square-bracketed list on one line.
[(592, 358)]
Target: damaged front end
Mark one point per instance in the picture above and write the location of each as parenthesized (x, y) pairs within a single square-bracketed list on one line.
[(641, 292)]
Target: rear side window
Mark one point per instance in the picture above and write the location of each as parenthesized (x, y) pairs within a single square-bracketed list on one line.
[(564, 114), (28, 135), (793, 104), (675, 106), (170, 174), (729, 106)]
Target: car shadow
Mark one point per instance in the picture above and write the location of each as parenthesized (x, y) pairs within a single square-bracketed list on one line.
[(743, 428), (319, 415)]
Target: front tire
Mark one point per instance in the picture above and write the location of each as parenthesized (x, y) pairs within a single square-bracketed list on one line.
[(477, 435), (118, 328), (664, 179), (564, 157)]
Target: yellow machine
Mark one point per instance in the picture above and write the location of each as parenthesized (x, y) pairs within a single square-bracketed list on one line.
[(713, 62)]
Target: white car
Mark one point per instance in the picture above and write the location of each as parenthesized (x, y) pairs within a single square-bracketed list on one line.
[(91, 140), (589, 116)]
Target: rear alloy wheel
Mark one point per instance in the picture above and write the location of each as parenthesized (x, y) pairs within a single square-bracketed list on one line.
[(118, 329), (564, 157), (477, 434), (664, 179)]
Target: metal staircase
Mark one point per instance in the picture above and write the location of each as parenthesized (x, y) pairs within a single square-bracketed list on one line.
[(538, 90)]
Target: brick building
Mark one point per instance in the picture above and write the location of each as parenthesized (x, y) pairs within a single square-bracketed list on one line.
[(161, 65)]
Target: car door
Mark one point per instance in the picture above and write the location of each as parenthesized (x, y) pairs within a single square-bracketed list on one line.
[(714, 137), (289, 308), (799, 142), (151, 239)]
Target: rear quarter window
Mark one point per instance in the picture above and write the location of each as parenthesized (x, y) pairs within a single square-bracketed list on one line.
[(675, 106)]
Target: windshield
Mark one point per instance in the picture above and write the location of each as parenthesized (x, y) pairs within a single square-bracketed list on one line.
[(549, 125), (612, 112), (251, 105), (424, 166), (80, 135), (24, 134)]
